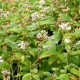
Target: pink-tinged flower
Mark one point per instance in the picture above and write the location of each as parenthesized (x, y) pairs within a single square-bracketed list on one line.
[(47, 46), (34, 16), (78, 42), (8, 26), (42, 2), (68, 28), (65, 10), (39, 48), (5, 72), (44, 32), (61, 6), (67, 40), (39, 35), (63, 25), (1, 61), (8, 77), (52, 37), (22, 45)]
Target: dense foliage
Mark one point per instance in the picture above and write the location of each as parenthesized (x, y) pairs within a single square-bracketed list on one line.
[(40, 40)]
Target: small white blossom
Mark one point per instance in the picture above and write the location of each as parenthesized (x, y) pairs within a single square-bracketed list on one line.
[(42, 2), (44, 32), (67, 40), (61, 6), (40, 6), (39, 35), (8, 26), (68, 28), (52, 37), (34, 16), (39, 48), (5, 14), (47, 46), (78, 42), (63, 25), (8, 77), (22, 45), (65, 10), (1, 61), (5, 72)]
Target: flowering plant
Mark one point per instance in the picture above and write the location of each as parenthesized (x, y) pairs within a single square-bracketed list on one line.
[(39, 40)]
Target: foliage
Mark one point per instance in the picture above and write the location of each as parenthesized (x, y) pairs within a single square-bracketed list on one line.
[(40, 40)]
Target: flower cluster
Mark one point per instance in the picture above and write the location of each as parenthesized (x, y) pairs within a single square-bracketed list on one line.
[(67, 40), (1, 59), (6, 14), (65, 26), (65, 10), (43, 34), (22, 45), (42, 2), (47, 46), (35, 16), (5, 72), (78, 42)]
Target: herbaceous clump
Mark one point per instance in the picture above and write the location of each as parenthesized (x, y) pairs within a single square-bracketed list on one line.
[(39, 40)]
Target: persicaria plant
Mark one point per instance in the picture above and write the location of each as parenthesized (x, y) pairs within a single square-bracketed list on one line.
[(39, 40)]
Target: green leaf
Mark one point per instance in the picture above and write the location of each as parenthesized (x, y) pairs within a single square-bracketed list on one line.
[(77, 33), (26, 76), (66, 17), (48, 78), (4, 65), (35, 70), (75, 53), (65, 76), (4, 20), (31, 28), (17, 30), (74, 71), (46, 22), (52, 60), (51, 51), (36, 77)]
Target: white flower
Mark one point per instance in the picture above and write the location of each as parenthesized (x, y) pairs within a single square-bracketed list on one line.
[(56, 42), (39, 35), (5, 15), (8, 13), (61, 6), (40, 6), (8, 26), (67, 40), (5, 72), (1, 60), (42, 2), (78, 42), (44, 32), (68, 28), (34, 16), (42, 15), (8, 77), (39, 48), (22, 45), (63, 25), (47, 46), (52, 37), (65, 10)]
